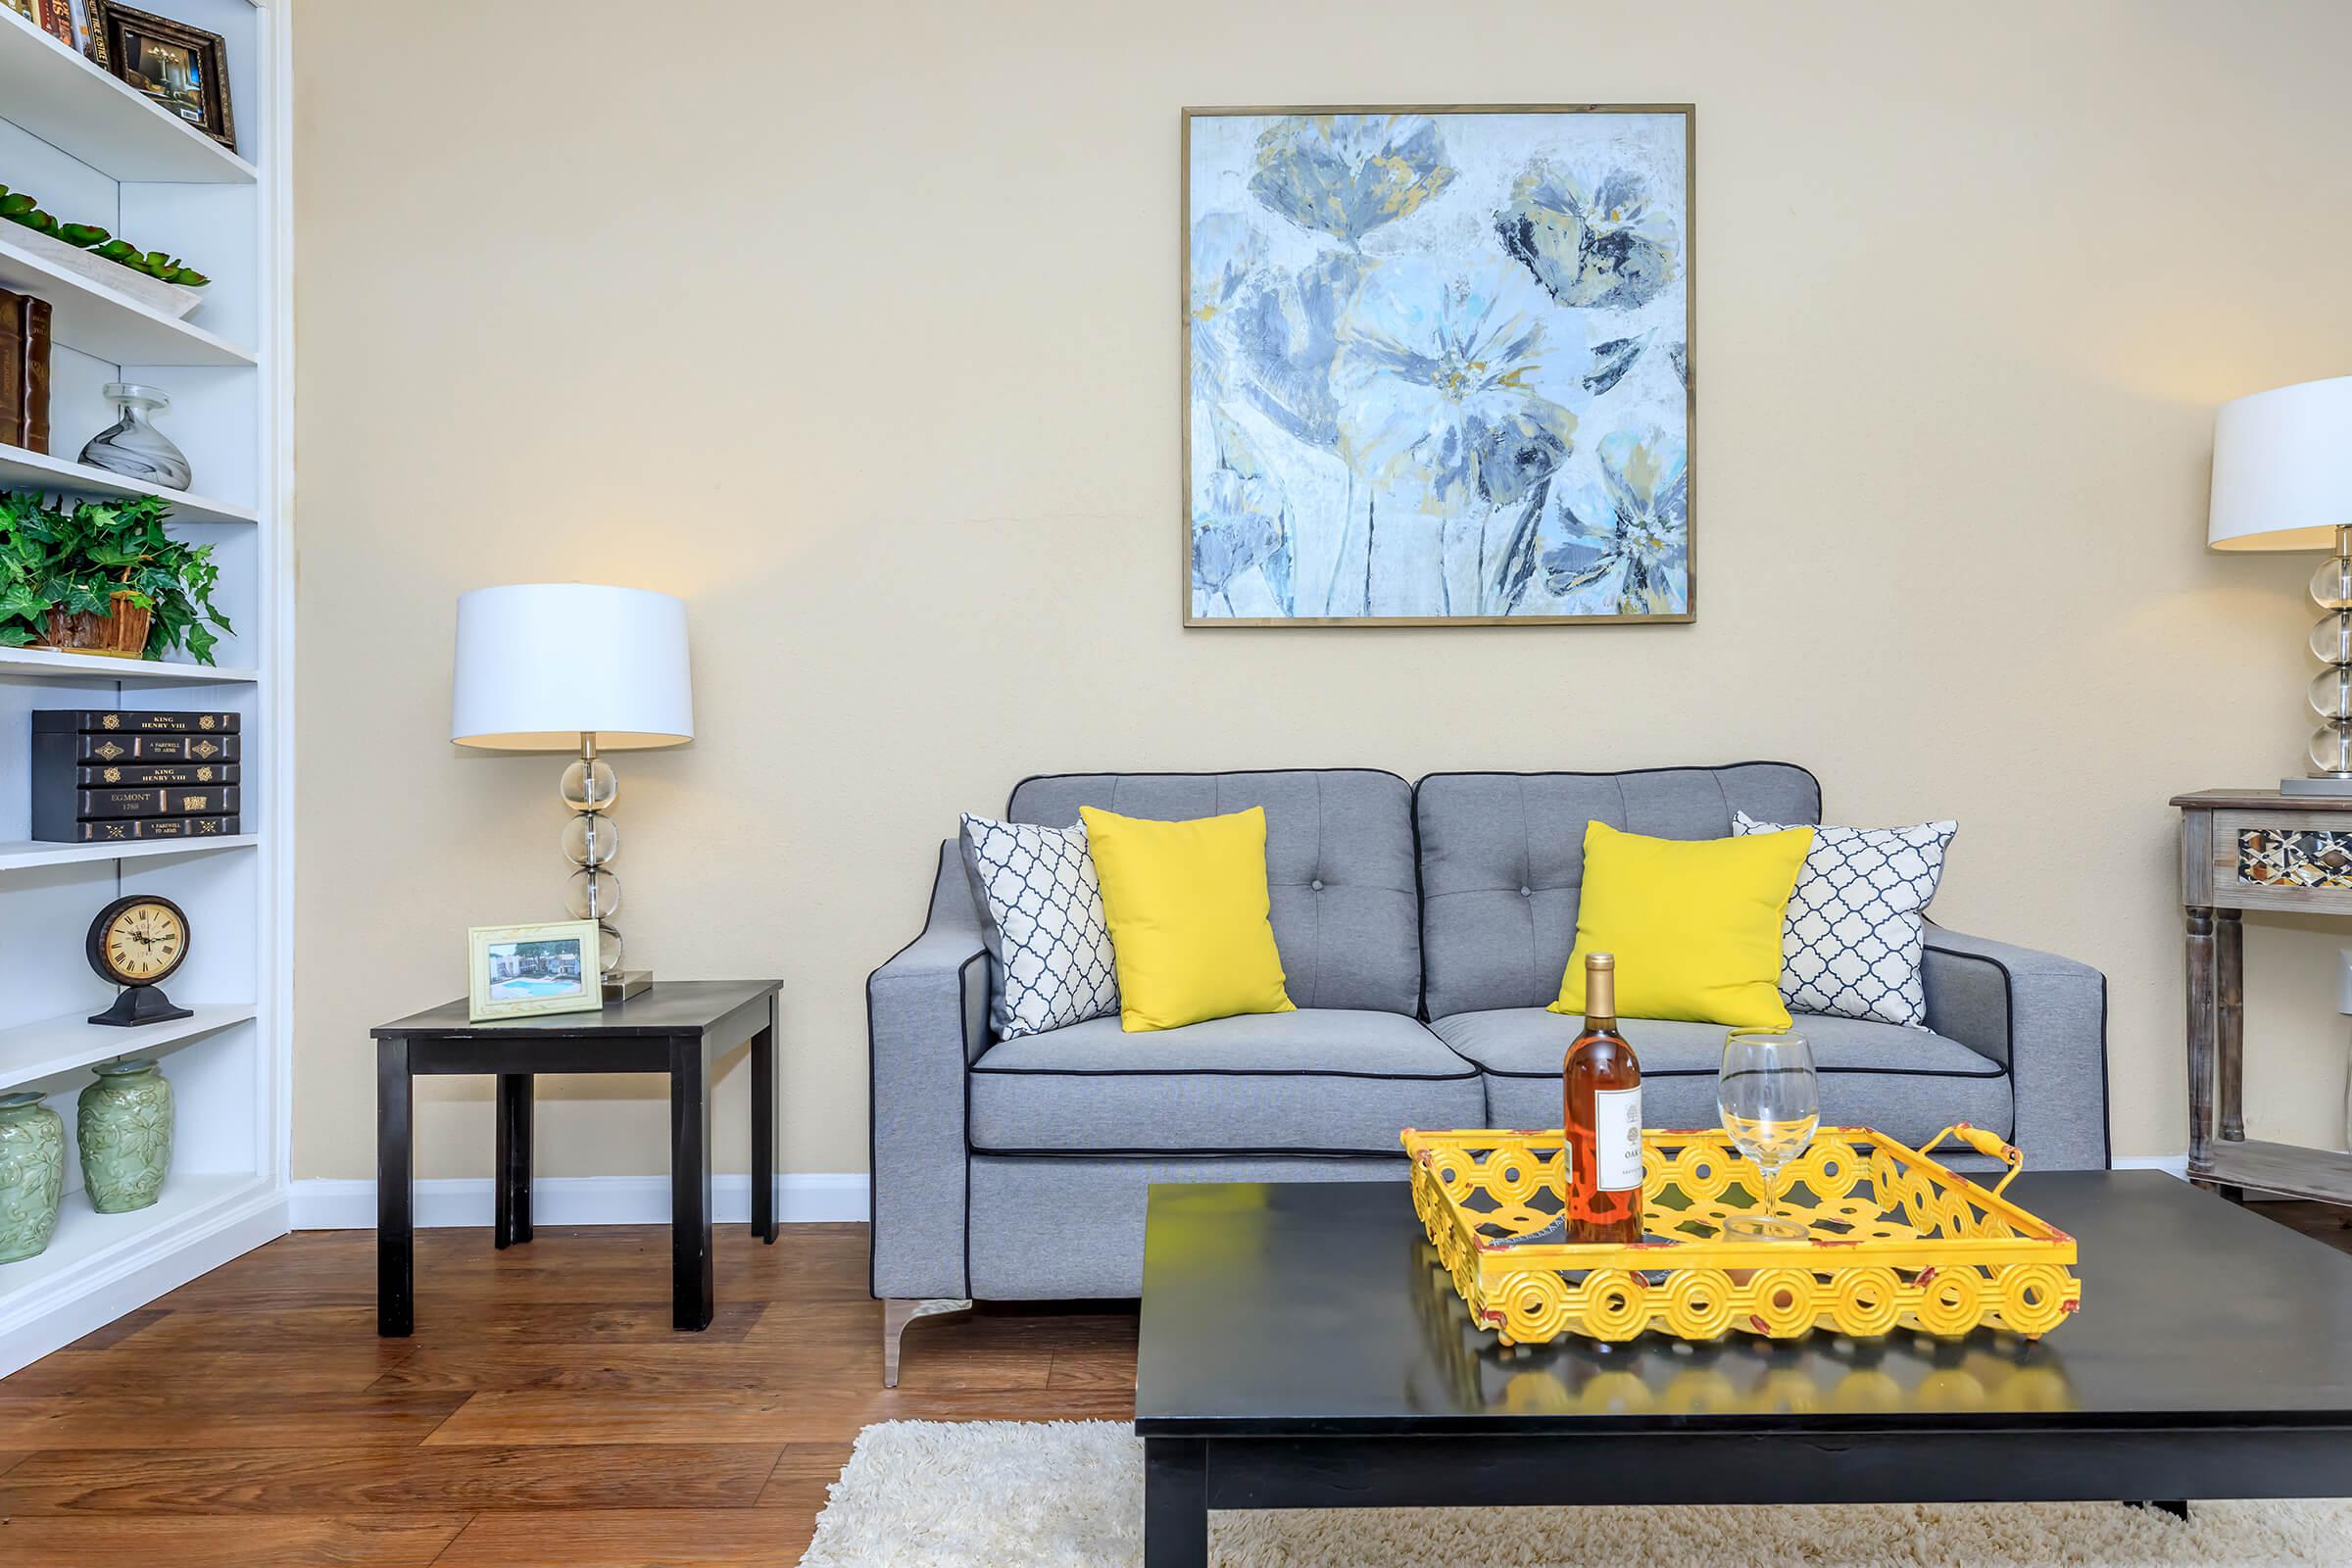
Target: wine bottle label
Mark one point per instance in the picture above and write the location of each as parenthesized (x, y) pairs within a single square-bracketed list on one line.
[(1617, 1138)]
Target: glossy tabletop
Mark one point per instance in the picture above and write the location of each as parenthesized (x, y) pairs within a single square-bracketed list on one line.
[(1316, 1308), (667, 1008)]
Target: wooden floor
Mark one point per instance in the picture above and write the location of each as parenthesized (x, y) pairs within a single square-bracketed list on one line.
[(544, 1413)]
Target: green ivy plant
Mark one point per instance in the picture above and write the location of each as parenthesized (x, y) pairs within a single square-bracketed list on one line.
[(75, 555), (19, 207)]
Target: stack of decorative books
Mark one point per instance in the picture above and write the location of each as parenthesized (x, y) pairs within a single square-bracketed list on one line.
[(106, 774)]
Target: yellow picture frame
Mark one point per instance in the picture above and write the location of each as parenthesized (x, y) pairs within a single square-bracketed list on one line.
[(547, 968)]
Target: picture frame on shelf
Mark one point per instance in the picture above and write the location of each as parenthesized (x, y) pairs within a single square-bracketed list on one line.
[(183, 70), (522, 971)]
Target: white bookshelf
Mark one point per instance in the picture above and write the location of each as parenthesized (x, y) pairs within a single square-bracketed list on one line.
[(93, 151)]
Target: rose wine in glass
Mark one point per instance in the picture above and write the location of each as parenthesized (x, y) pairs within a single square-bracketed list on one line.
[(1601, 1082)]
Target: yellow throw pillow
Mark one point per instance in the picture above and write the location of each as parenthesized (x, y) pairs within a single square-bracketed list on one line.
[(1187, 907), (1695, 924)]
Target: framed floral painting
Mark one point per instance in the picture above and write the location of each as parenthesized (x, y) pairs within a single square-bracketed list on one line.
[(1437, 366)]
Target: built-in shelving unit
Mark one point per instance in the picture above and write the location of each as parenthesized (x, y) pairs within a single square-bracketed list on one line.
[(92, 150)]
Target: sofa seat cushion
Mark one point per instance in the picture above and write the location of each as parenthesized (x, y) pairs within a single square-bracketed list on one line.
[(1320, 1080), (1906, 1083)]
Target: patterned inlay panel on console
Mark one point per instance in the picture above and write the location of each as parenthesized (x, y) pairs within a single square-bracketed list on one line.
[(2295, 857)]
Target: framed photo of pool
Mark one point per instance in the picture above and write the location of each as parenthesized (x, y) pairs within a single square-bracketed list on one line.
[(518, 971)]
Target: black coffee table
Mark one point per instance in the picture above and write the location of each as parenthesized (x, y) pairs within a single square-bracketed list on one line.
[(1300, 1350)]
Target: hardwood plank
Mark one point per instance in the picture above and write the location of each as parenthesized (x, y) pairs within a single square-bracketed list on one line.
[(540, 1419), (255, 1374), (342, 1481), (624, 1538), (440, 1323), (690, 1368), (121, 1329), (1092, 1369), (215, 1419), (10, 1459), (803, 1474), (393, 1541)]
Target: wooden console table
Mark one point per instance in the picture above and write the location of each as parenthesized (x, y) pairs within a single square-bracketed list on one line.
[(2251, 849)]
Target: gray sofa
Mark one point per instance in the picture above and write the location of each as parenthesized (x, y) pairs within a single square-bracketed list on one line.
[(1422, 930)]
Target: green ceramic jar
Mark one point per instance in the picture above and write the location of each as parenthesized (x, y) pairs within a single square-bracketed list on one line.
[(126, 1133), (33, 1174)]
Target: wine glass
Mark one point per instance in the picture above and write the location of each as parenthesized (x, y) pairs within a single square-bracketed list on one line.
[(1770, 1097)]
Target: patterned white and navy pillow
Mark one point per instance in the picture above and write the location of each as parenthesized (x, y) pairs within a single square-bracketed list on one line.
[(1852, 944), (1041, 907)]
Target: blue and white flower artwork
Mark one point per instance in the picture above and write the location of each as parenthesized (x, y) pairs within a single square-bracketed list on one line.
[(1438, 365)]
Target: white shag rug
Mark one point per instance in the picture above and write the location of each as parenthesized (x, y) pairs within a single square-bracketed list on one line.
[(1070, 1494)]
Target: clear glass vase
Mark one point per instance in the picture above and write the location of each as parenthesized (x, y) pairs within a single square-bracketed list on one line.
[(133, 447)]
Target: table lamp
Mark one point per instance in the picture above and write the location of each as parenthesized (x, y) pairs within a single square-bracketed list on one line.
[(548, 666), (2282, 480)]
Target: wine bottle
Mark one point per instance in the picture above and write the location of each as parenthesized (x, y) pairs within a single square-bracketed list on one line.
[(1601, 1082)]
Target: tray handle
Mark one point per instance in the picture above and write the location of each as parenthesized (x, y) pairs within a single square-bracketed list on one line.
[(1984, 1142)]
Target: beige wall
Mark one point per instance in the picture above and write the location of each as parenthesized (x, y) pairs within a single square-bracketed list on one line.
[(854, 324)]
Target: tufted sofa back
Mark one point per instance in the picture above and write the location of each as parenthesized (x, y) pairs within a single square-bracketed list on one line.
[(1503, 862), (1339, 866)]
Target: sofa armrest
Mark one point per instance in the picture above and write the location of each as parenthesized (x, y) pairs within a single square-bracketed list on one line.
[(927, 1018), (2045, 1018)]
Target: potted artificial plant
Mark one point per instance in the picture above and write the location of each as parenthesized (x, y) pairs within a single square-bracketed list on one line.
[(102, 576)]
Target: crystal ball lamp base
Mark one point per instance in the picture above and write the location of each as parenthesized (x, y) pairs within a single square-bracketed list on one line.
[(591, 840)]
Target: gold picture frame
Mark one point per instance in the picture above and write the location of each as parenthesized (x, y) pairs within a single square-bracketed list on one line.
[(1314, 601), (191, 80), (560, 972)]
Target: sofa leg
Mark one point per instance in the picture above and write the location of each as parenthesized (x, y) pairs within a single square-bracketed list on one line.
[(896, 1312)]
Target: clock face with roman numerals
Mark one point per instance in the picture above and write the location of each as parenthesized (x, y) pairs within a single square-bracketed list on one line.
[(139, 939)]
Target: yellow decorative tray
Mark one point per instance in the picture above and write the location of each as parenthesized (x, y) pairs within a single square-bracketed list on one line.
[(1896, 1241)]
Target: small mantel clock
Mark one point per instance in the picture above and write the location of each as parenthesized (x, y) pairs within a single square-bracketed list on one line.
[(137, 943)]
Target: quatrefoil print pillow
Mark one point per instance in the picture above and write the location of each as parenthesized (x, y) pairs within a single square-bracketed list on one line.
[(1048, 944), (1850, 947)]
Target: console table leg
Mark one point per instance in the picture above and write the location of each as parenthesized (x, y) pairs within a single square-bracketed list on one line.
[(693, 1288), (2200, 1023), (515, 1111), (1175, 1502), (395, 1234), (2230, 1022), (763, 1129)]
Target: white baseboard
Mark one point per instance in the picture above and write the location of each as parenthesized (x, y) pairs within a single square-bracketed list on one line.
[(2170, 1164), (324, 1205)]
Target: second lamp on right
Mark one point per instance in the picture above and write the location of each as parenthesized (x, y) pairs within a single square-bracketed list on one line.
[(2282, 480)]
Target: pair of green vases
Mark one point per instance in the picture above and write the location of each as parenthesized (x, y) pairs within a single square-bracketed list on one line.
[(123, 1124)]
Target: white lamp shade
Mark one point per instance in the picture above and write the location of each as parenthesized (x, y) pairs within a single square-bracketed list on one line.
[(2283, 468), (542, 664)]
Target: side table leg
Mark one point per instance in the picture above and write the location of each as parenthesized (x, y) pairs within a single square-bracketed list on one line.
[(690, 1283), (1175, 1502), (395, 1235), (2230, 1022), (2200, 1038), (515, 1112), (764, 1128)]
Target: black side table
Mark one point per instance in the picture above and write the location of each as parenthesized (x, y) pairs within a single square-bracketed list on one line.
[(676, 1027)]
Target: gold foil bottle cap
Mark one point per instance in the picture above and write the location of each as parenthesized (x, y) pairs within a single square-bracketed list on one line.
[(1600, 960)]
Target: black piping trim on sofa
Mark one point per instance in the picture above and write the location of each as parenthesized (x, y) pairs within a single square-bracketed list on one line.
[(1214, 773), (1225, 1072), (963, 1079), (1627, 772), (2009, 1030), (1190, 1153)]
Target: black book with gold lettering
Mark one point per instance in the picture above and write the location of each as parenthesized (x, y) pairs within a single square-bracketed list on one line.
[(129, 721), (134, 775), (60, 806), (75, 750), (126, 829)]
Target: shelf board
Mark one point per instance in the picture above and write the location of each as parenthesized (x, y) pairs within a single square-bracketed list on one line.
[(24, 855), (20, 470), (71, 104), (83, 1234), (101, 322), (45, 664), (48, 1047)]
